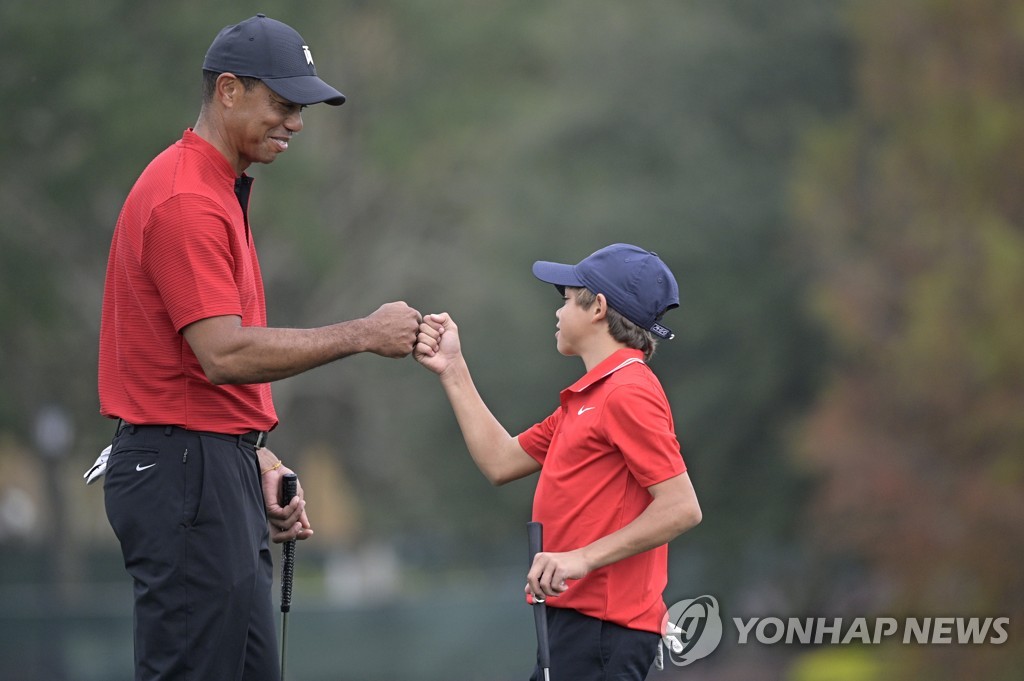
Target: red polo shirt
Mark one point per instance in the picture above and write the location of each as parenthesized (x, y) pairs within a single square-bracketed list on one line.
[(611, 438), (181, 252)]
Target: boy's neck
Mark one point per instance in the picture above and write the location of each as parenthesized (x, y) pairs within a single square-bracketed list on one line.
[(601, 349)]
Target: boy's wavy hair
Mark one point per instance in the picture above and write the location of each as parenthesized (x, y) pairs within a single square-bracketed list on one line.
[(621, 329)]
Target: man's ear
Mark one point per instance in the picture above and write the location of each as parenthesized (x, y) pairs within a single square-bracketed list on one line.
[(227, 89)]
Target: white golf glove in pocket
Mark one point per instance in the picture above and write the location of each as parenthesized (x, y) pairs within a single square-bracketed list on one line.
[(98, 468)]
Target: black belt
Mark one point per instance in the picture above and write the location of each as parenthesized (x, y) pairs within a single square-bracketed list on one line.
[(254, 438)]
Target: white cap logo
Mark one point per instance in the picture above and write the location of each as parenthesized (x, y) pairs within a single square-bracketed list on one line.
[(309, 55)]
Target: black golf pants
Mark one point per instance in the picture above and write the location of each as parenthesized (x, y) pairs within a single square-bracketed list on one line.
[(188, 510), (584, 648)]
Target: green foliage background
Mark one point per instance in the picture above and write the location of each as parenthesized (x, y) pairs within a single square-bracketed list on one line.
[(834, 184)]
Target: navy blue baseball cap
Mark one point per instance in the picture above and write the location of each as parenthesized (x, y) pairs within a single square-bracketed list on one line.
[(264, 48), (637, 284)]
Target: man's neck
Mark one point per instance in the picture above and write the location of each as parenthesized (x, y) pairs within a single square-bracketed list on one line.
[(212, 133)]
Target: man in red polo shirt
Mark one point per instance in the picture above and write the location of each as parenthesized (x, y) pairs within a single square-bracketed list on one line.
[(185, 363), (613, 488)]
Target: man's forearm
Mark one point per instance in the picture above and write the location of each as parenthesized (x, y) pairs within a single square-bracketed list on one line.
[(232, 353), (261, 355)]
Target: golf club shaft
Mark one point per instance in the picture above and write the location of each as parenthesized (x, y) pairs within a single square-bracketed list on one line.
[(535, 535), (289, 488), (284, 641)]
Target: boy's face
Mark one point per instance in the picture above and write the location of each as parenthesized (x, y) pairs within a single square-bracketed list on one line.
[(573, 324)]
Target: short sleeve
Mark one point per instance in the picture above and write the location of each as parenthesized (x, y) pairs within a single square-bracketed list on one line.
[(536, 440), (638, 422), (187, 253)]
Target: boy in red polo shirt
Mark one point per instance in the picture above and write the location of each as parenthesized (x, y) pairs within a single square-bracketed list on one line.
[(613, 488)]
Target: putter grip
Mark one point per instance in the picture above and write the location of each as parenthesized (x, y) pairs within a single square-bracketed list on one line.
[(289, 487), (535, 536)]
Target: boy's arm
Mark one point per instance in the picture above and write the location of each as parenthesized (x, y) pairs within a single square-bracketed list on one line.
[(673, 510), (497, 454)]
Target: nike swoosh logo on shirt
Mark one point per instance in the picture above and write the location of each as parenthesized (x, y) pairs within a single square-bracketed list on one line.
[(584, 409), (140, 467)]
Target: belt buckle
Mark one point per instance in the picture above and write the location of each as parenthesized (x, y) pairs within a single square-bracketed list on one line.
[(261, 439)]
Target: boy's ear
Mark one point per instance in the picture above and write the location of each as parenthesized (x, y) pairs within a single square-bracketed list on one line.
[(600, 307)]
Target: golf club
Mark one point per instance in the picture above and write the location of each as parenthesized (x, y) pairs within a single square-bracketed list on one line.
[(289, 487), (535, 534)]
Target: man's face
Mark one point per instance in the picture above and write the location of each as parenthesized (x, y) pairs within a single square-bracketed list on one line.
[(262, 124)]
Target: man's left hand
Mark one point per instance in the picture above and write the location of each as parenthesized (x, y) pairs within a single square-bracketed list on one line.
[(286, 522)]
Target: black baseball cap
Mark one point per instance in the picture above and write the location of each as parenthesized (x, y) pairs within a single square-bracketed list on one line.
[(637, 284), (264, 48)]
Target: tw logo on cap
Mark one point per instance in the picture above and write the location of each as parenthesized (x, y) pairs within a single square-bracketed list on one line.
[(309, 55)]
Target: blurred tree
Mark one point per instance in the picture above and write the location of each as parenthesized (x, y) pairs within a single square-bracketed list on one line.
[(101, 88), (476, 139), (669, 125), (913, 216)]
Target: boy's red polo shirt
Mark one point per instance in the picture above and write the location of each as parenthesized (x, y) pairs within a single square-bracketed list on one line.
[(181, 252), (612, 437)]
